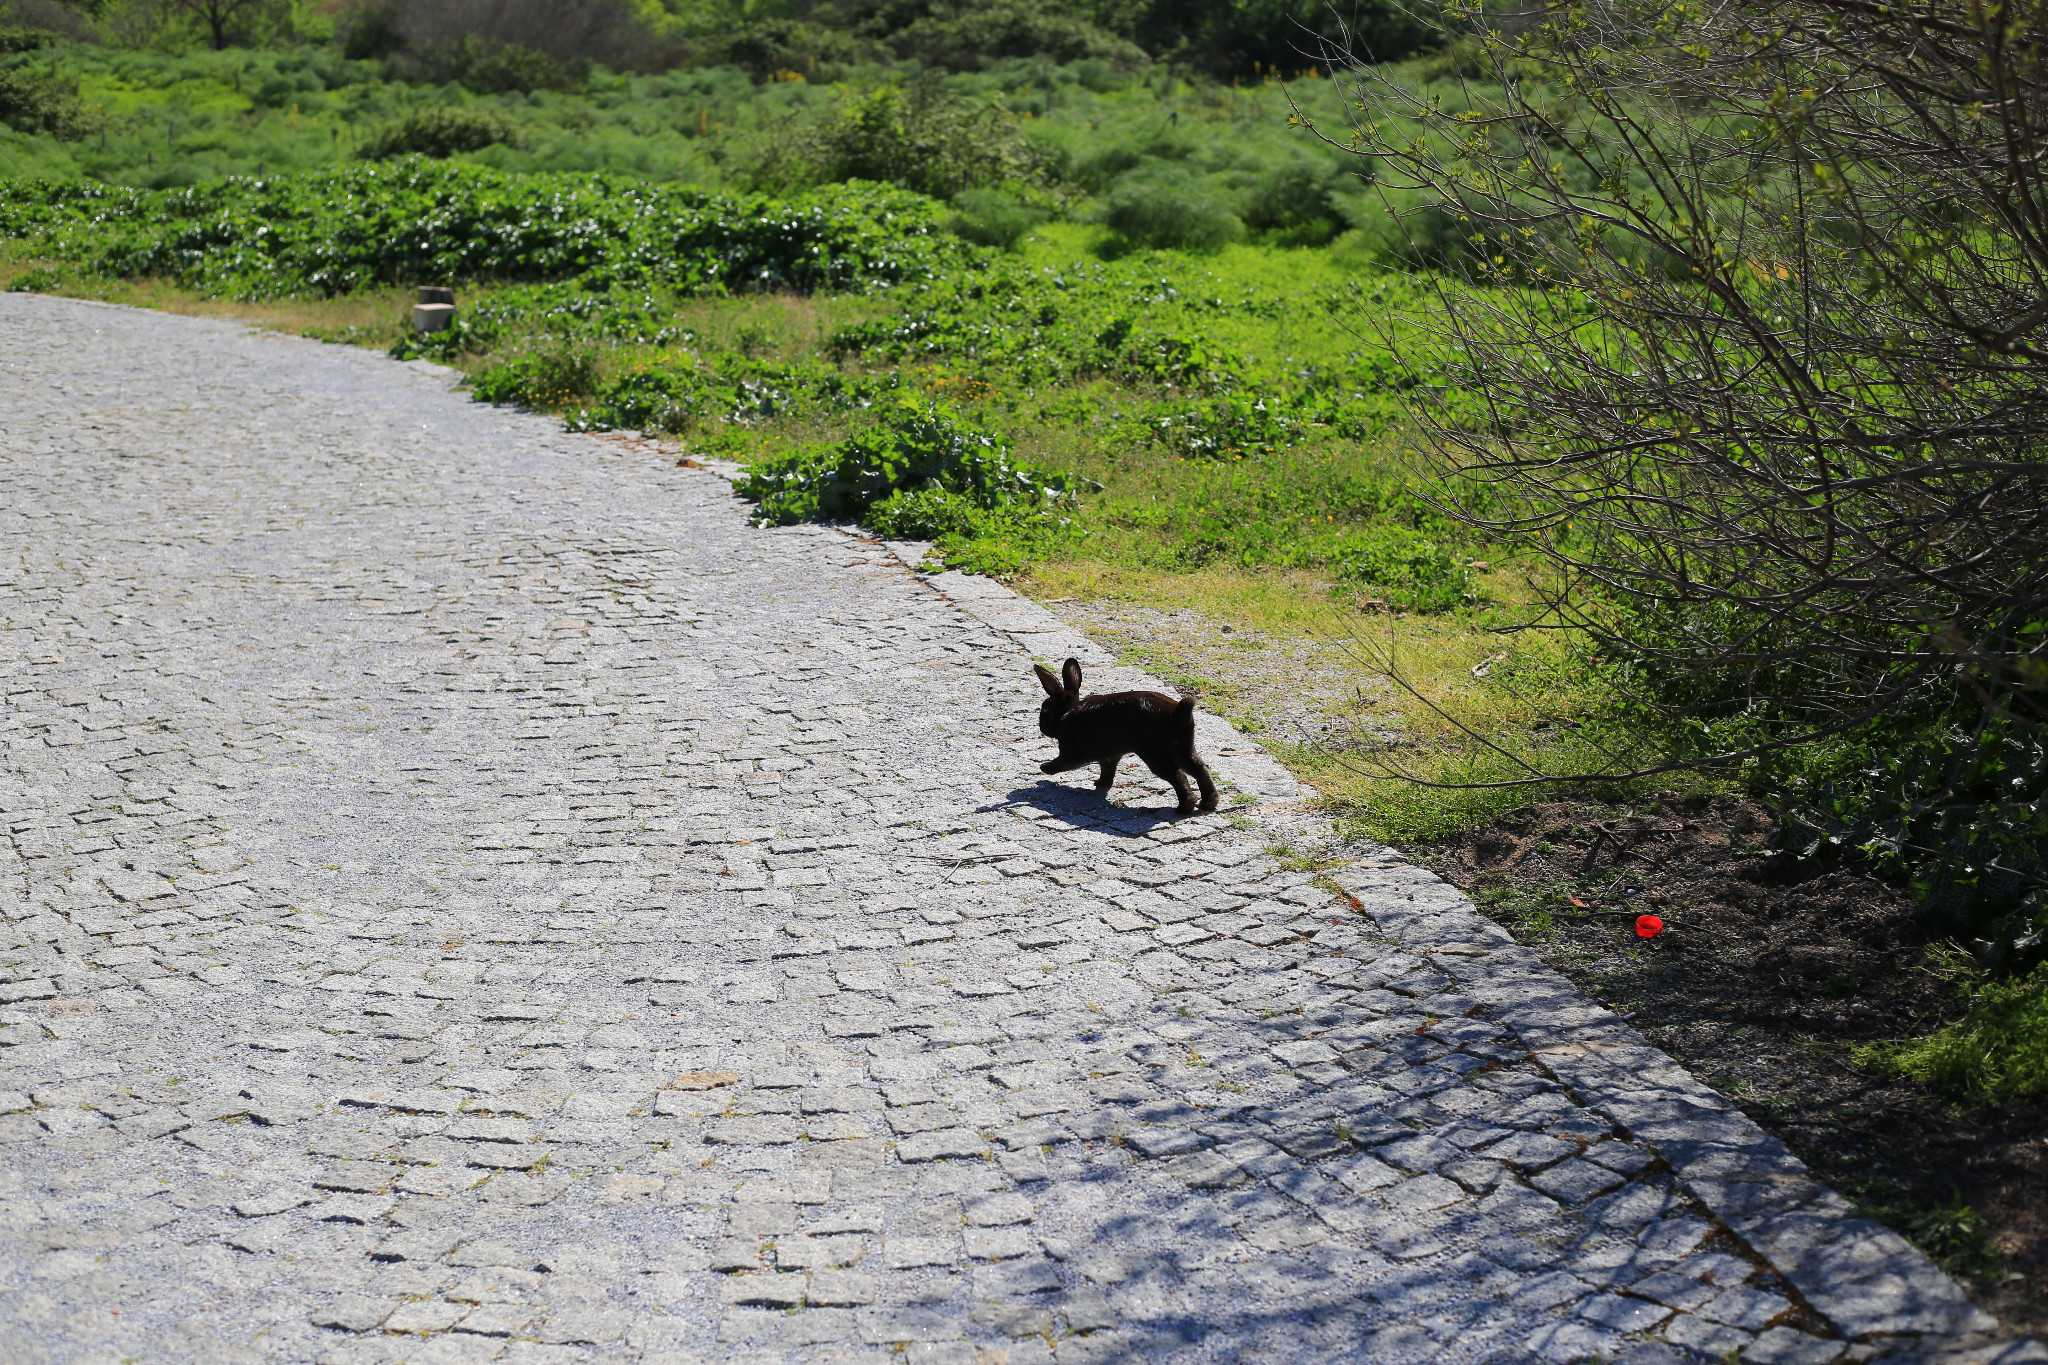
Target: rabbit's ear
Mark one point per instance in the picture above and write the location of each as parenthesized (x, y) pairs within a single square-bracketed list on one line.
[(1049, 682), (1072, 675)]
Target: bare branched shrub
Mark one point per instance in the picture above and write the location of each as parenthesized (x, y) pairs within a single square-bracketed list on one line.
[(1754, 333), (570, 33), (221, 18), (46, 16)]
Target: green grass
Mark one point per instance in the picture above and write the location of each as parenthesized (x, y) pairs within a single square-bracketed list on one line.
[(1996, 1053)]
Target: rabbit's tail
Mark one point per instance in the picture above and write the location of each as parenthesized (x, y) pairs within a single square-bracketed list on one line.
[(1183, 721)]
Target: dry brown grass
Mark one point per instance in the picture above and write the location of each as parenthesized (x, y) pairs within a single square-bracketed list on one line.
[(1282, 658), (371, 319)]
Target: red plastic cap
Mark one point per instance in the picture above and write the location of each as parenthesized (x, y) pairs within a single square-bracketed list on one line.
[(1648, 926)]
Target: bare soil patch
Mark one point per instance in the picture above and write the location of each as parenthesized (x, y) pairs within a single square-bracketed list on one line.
[(1768, 973)]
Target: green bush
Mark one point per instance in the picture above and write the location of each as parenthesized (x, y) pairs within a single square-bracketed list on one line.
[(927, 138), (35, 281), (658, 400), (439, 130), (552, 380), (764, 47), (494, 68), (371, 32), (1169, 207), (1096, 171), (992, 218), (33, 103), (972, 36), (1294, 205), (1963, 815), (928, 514), (920, 446), (25, 39)]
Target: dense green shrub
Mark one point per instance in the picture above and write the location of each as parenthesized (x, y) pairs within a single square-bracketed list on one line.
[(1172, 208), (371, 32), (1964, 816), (34, 103), (1249, 37), (765, 48), (925, 138), (930, 514), (971, 36), (921, 445), (1295, 204), (439, 130), (990, 217), (550, 380), (493, 68), (35, 281), (25, 39)]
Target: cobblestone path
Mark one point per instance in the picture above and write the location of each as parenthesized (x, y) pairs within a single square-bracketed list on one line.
[(469, 896)]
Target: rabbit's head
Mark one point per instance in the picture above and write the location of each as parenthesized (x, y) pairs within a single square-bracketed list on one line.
[(1060, 695)]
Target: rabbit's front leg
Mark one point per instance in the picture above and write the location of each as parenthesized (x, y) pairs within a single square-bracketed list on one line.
[(1107, 777)]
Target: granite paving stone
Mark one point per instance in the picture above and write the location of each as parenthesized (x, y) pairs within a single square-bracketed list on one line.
[(469, 894)]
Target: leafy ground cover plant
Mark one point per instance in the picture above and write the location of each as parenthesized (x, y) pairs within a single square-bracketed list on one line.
[(335, 232), (1962, 817)]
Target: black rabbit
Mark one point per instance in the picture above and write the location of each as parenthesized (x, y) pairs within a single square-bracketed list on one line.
[(1102, 729)]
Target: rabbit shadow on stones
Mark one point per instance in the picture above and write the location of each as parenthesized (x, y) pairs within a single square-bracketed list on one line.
[(1084, 808)]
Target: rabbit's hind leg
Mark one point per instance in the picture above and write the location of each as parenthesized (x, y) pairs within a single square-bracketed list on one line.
[(1166, 770), (1193, 764)]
